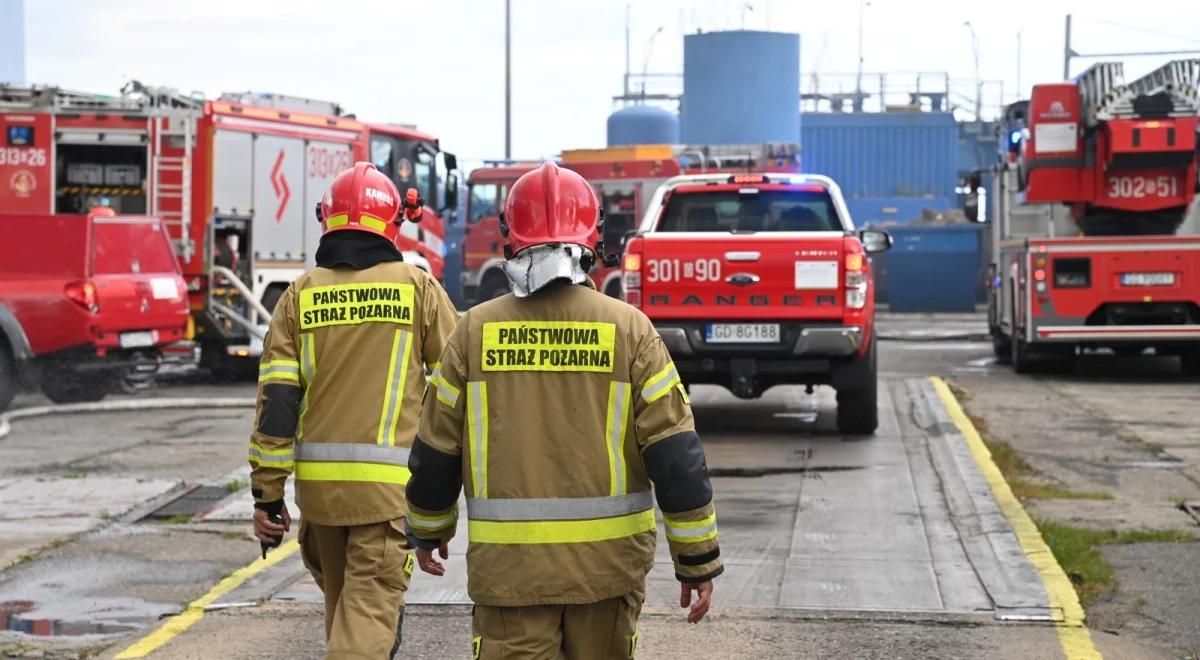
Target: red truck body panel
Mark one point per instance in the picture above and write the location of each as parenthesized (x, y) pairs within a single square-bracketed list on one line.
[(127, 263), (1079, 289)]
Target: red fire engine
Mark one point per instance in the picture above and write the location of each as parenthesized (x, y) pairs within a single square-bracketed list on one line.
[(1097, 178), (625, 179), (235, 181)]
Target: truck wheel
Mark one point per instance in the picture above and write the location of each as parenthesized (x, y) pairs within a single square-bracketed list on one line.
[(858, 408), (493, 288), (64, 386), (1019, 356), (271, 297), (1190, 362), (9, 384), (1002, 348)]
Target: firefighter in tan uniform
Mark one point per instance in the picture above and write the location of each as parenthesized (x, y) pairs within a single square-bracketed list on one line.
[(340, 387), (558, 407)]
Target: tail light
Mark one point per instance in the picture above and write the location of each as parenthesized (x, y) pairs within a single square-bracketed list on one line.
[(197, 284), (856, 280), (84, 295), (631, 274)]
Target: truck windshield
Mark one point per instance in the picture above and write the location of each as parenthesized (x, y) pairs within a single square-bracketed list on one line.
[(122, 248), (765, 210)]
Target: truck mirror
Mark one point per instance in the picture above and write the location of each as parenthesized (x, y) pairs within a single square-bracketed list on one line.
[(875, 241), (452, 192), (450, 161)]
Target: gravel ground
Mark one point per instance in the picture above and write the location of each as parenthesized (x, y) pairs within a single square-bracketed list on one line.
[(1125, 427), (1159, 586)]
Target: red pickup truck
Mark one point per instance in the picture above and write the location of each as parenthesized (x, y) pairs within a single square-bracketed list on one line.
[(84, 301), (756, 280)]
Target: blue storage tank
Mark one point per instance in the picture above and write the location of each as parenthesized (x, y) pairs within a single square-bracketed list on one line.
[(642, 124), (931, 269), (741, 87), (908, 154)]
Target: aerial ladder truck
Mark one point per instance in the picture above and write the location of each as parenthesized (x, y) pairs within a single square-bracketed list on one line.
[(1095, 179)]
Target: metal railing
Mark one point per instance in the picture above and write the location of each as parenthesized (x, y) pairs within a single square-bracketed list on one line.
[(247, 295)]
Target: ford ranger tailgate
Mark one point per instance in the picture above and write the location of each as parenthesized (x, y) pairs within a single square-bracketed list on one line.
[(730, 251)]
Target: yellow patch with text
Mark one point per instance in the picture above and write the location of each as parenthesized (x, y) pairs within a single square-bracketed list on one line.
[(352, 304), (549, 346)]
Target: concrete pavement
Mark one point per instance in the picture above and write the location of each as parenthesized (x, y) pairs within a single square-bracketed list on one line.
[(836, 547)]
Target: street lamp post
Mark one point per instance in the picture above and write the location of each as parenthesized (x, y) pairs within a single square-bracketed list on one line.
[(978, 83), (507, 79), (646, 57)]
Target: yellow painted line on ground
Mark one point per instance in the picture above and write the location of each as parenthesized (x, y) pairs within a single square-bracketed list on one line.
[(1073, 635), (195, 609)]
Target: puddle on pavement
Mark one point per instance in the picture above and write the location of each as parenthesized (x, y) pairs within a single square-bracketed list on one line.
[(1146, 465), (12, 619), (807, 417)]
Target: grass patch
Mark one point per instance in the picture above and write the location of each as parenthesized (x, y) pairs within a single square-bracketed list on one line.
[(1035, 491), (234, 485), (1026, 482), (177, 519), (1077, 550)]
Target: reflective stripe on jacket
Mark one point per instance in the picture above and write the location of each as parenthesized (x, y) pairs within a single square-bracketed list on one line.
[(556, 413), (340, 385)]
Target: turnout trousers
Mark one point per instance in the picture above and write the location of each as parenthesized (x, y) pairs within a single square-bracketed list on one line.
[(364, 571), (606, 630)]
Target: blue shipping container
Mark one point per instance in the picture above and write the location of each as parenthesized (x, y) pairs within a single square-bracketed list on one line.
[(740, 87), (931, 269), (907, 154)]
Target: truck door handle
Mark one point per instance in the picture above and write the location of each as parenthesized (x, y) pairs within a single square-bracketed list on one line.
[(742, 256)]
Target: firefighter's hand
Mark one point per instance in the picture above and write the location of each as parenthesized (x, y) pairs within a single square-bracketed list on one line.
[(704, 592), (430, 565), (269, 532)]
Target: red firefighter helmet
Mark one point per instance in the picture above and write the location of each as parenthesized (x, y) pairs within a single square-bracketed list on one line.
[(551, 205), (364, 199)]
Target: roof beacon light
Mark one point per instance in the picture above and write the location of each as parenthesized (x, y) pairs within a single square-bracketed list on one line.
[(748, 178)]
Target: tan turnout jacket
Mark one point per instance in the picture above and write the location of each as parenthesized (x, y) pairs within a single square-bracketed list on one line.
[(340, 383), (557, 412)]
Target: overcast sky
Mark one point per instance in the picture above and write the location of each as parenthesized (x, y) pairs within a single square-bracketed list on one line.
[(439, 64)]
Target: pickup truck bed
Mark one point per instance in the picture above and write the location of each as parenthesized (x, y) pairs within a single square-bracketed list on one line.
[(84, 300)]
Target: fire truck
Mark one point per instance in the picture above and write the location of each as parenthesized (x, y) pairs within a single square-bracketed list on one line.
[(1096, 178), (624, 178), (235, 181)]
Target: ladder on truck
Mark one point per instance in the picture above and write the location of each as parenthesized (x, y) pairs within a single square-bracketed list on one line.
[(171, 179), (173, 119), (1180, 79), (1106, 95)]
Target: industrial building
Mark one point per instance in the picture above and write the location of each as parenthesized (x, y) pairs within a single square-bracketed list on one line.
[(891, 141)]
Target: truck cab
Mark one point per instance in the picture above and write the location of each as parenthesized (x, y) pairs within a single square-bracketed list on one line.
[(756, 280)]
